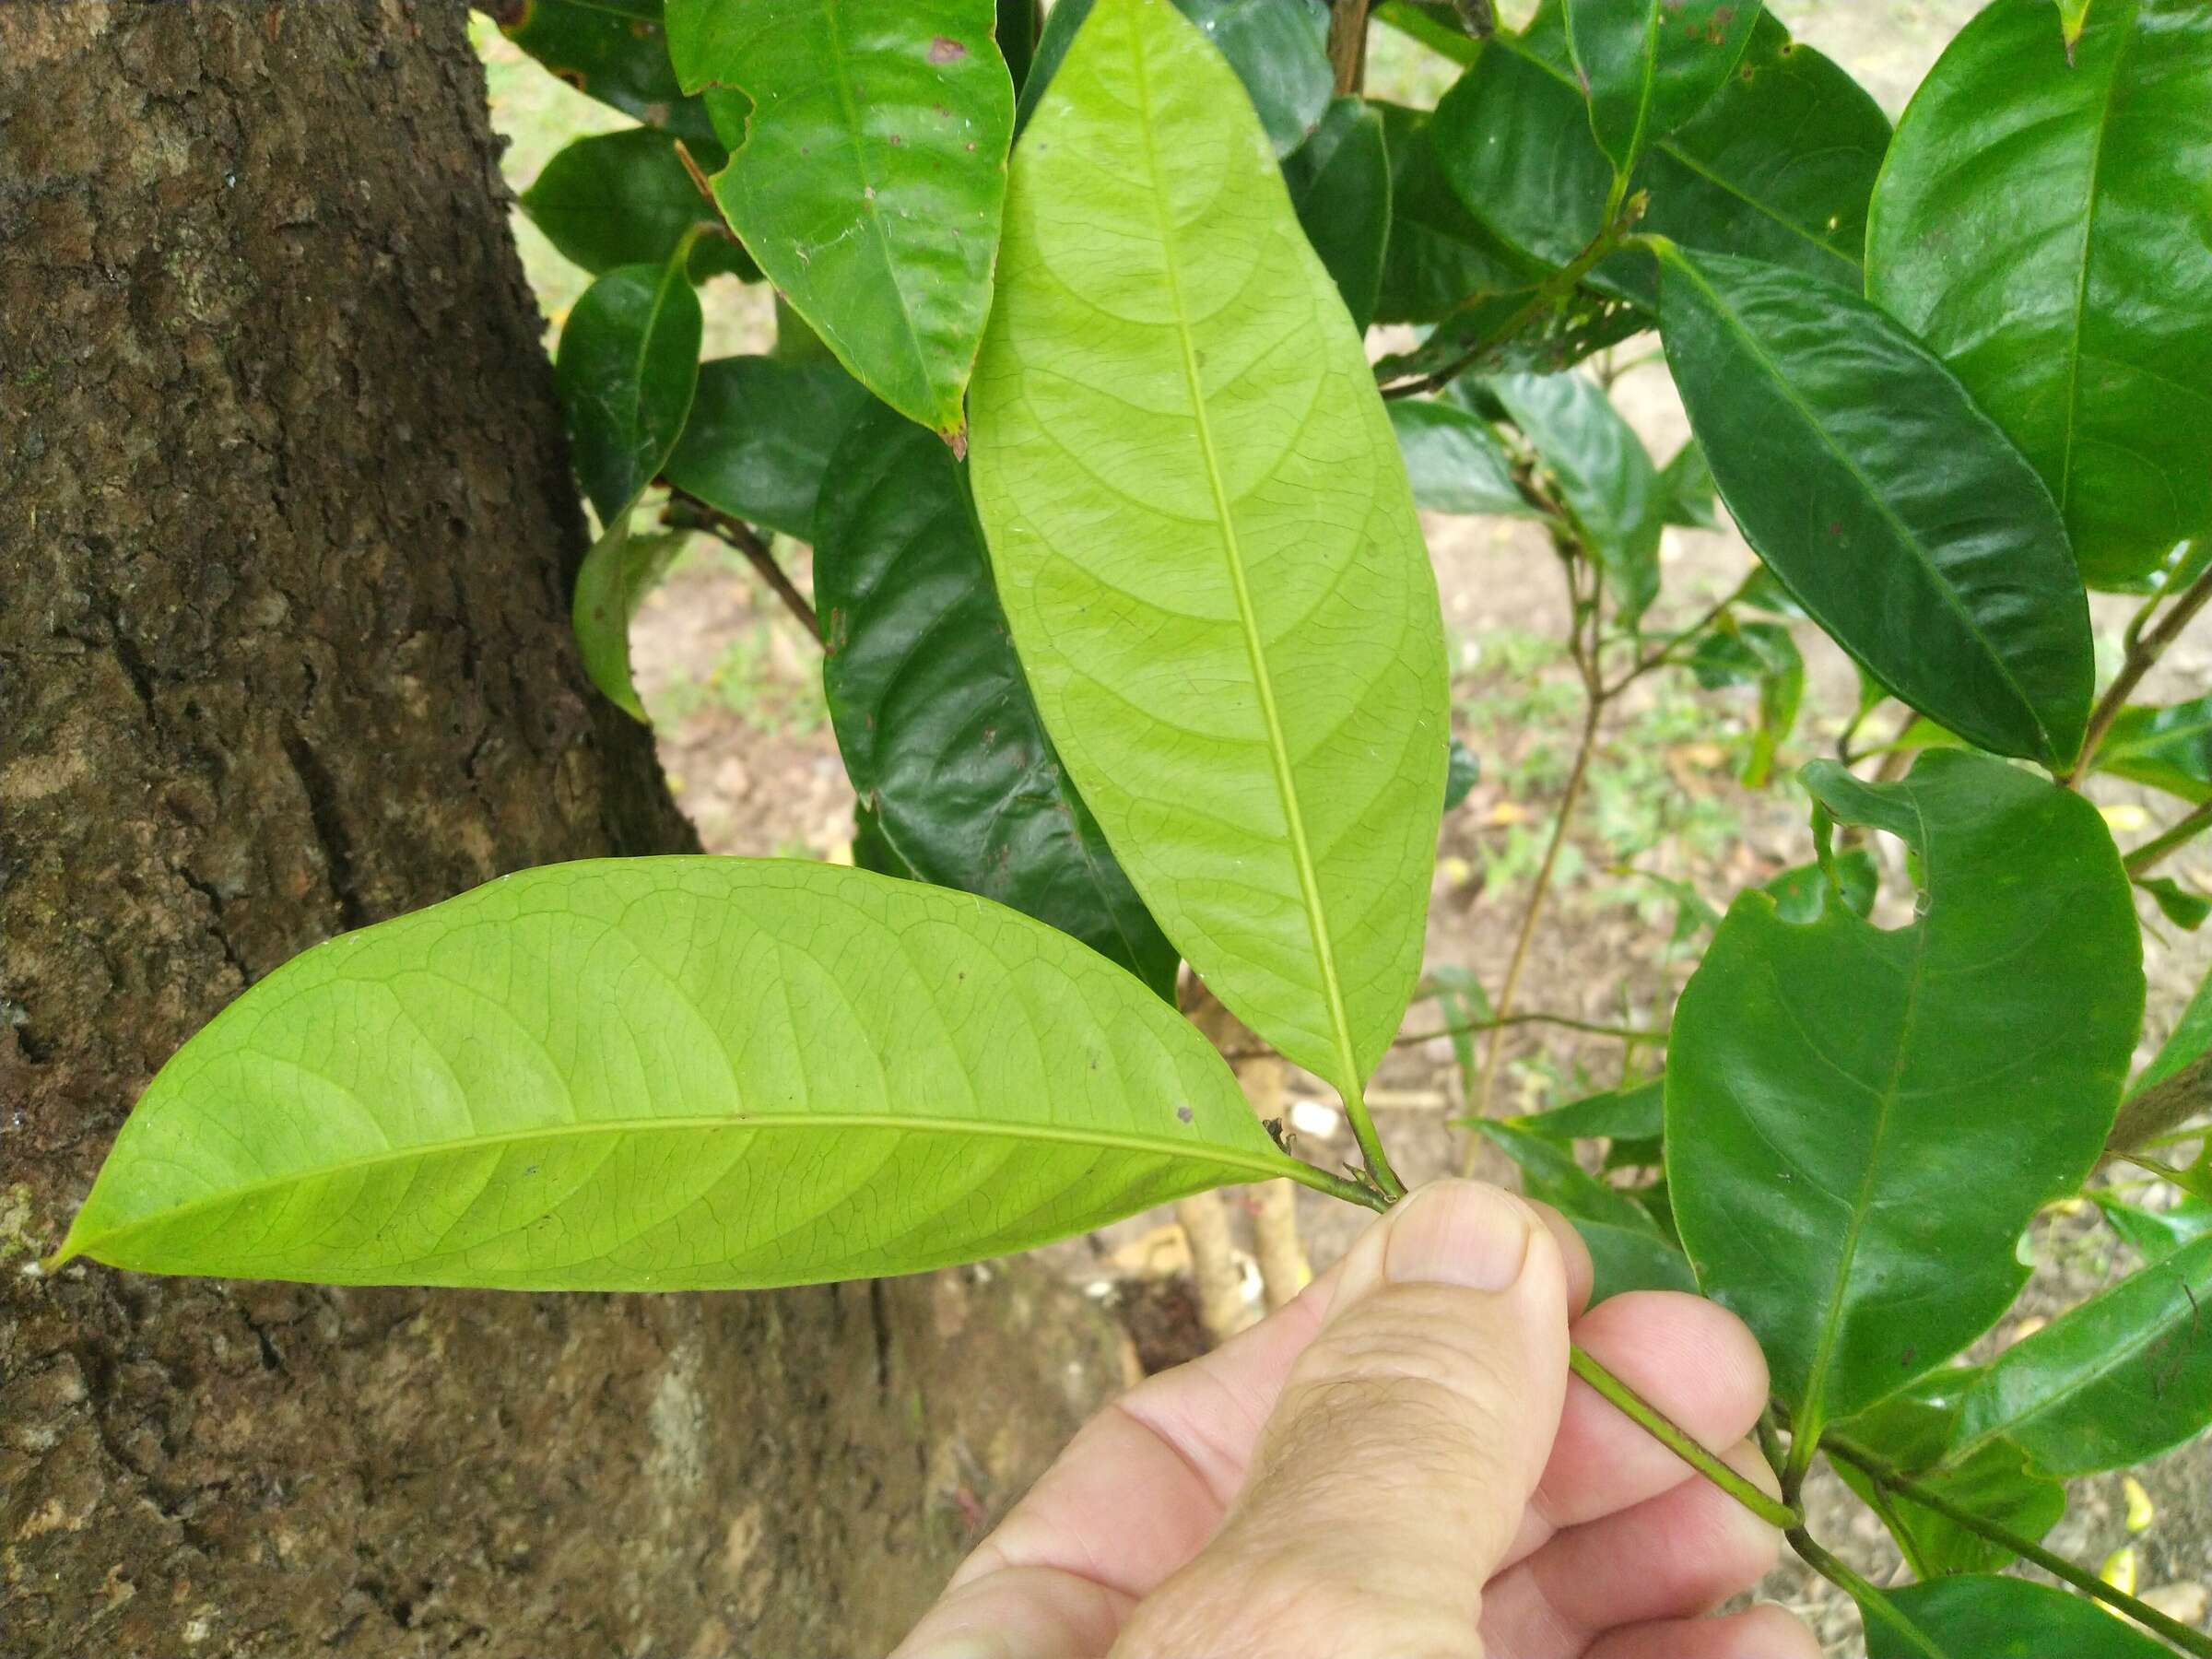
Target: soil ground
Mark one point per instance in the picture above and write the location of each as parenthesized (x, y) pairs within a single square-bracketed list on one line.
[(734, 686)]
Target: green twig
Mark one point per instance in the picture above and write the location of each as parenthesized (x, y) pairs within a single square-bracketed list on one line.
[(1669, 1434), (1873, 1603), (2081, 1578), (1370, 1144), (1631, 1035), (2185, 831), (2146, 646)]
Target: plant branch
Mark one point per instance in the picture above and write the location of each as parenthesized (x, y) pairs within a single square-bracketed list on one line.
[(1347, 44), (2146, 646), (1873, 1603), (2185, 831), (2088, 1582), (1666, 653), (1669, 1433), (1631, 1035), (693, 513), (2163, 1107)]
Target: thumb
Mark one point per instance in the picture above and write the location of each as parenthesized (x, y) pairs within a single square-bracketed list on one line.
[(1391, 1477)]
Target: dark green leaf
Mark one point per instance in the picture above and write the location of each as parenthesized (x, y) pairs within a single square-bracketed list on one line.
[(1983, 1616), (1860, 1123), (1461, 774), (1453, 459), (1604, 479), (2157, 1234), (623, 198), (2042, 225), (665, 1074), (1503, 334), (2184, 909), (872, 849), (626, 368), (1339, 181), (1549, 1173), (933, 718), (1631, 1258), (868, 174), (2191, 1040), (1909, 1433), (1434, 23), (2120, 1378), (1892, 508), (1017, 31), (1686, 487), (1629, 1113), (760, 435), (1439, 256), (2168, 748), (613, 581), (1801, 894), (1649, 66), (614, 50)]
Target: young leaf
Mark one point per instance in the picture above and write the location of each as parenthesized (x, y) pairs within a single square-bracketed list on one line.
[(2113, 1382), (1439, 256), (1892, 508), (1549, 1173), (1649, 66), (866, 175), (1981, 1616), (1861, 1124), (613, 51), (2168, 748), (1606, 479), (1339, 181), (2041, 223), (933, 716), (2155, 1234), (1453, 460), (1207, 548), (1800, 894), (2185, 909), (624, 198), (613, 581), (668, 1073), (761, 433), (1761, 654)]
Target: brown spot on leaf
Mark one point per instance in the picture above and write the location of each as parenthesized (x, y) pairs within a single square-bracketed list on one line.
[(1184, 1114), (944, 49)]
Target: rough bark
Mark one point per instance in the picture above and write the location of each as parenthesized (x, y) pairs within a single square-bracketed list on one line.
[(286, 533)]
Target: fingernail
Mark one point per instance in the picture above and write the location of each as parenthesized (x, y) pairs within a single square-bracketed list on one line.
[(1458, 1232)]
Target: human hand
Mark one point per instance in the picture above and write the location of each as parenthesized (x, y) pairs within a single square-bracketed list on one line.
[(1398, 1464)]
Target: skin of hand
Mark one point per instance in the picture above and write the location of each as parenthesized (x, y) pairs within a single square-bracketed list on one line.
[(1399, 1464)]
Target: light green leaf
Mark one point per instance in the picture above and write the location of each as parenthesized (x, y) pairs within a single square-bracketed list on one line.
[(1733, 652), (2185, 909), (624, 198), (613, 581), (936, 723), (663, 1074), (2168, 748), (1980, 1616), (868, 174), (2043, 223), (1205, 545), (1453, 459), (1893, 508), (1801, 893), (1649, 66), (1860, 1123), (2113, 1382), (1604, 479), (614, 50), (761, 433), (1339, 181)]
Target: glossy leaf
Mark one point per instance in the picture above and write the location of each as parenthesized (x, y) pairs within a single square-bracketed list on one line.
[(866, 175), (2157, 1234), (1339, 181), (2043, 224), (1205, 542), (1860, 1123), (1685, 489), (1549, 1173), (624, 198), (1981, 1615), (1439, 256), (1456, 464), (2168, 748), (934, 721), (614, 50), (1631, 1258), (760, 435), (1630, 1113), (1603, 474), (1649, 66), (2191, 1040), (668, 1073), (1893, 508), (621, 569), (2113, 1382), (1909, 1433)]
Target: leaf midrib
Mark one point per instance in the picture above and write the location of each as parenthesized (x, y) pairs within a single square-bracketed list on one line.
[(1278, 753), (1263, 1165), (2081, 276)]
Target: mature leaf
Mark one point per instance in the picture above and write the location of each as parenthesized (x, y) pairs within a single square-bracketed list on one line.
[(1981, 1616), (1685, 489), (1550, 1172), (2043, 224), (1454, 461), (1631, 1258), (668, 1073), (2115, 1380), (2157, 1234), (1630, 1113), (2191, 1041), (1462, 770), (613, 581), (1889, 504), (1439, 255), (1604, 479), (2184, 909), (624, 198), (933, 716), (1801, 893), (868, 174), (1016, 29), (1861, 1124), (1909, 1433), (1339, 181), (1506, 334), (1648, 66), (613, 51), (1432, 23), (761, 436), (1205, 545), (2168, 748), (873, 851), (1279, 48)]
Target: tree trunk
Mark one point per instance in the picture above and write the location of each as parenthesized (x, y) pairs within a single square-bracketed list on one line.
[(286, 539)]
